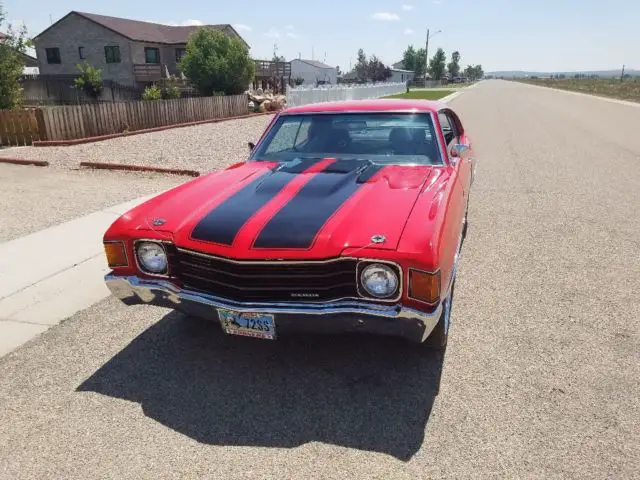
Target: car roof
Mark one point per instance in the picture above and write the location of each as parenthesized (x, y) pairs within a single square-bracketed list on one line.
[(379, 105)]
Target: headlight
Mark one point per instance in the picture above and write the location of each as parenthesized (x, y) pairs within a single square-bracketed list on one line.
[(379, 280), (151, 257)]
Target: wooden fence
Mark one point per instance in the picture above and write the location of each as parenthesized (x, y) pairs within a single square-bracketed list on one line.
[(20, 127), (69, 122)]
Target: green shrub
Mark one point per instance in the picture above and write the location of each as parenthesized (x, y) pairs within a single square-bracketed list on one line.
[(152, 92), (172, 90), (90, 80), (298, 80)]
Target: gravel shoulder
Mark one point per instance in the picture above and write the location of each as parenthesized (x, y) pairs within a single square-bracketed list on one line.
[(34, 198), (540, 379), (202, 148)]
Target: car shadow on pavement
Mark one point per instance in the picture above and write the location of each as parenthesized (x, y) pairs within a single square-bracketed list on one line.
[(369, 393)]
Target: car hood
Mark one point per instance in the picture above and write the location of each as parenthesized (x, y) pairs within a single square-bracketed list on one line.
[(260, 210)]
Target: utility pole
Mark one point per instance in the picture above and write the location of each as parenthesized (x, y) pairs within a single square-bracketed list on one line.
[(426, 55), (622, 74), (426, 59)]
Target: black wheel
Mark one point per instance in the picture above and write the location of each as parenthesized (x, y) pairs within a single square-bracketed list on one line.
[(437, 340), (466, 221)]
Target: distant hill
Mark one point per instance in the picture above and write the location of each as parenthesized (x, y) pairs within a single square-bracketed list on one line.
[(600, 73)]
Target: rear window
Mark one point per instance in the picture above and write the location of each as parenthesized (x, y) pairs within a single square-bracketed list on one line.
[(384, 138)]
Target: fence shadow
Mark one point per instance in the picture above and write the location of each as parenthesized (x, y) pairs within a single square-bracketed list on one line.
[(373, 394)]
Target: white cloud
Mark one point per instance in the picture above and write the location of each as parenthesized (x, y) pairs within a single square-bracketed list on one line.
[(241, 27), (291, 35), (407, 8), (385, 16), (408, 31), (272, 33), (289, 27), (192, 22)]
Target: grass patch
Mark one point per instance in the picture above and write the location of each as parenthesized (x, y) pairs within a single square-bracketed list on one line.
[(423, 94), (629, 89)]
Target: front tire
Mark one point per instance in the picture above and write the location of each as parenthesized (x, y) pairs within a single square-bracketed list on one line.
[(439, 336)]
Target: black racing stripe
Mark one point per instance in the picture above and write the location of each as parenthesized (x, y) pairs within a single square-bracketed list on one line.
[(222, 224), (299, 221)]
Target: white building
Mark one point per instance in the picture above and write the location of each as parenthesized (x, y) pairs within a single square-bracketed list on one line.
[(313, 72), (399, 75)]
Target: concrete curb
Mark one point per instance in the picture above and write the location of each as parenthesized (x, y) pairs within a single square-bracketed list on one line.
[(138, 168), (22, 161), (80, 141)]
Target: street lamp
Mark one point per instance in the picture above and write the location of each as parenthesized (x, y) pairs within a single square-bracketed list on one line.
[(426, 55)]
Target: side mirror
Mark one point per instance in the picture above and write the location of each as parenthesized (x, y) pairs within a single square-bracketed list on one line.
[(459, 150), (251, 146)]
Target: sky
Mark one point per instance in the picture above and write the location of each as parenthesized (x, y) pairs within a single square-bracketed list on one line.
[(542, 35)]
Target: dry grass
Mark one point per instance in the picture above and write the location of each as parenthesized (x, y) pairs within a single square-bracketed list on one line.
[(629, 89)]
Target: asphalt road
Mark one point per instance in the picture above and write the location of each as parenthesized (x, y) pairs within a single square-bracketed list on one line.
[(540, 380)]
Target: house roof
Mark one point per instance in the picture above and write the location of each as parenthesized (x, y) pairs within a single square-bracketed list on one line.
[(2, 35), (145, 31), (401, 70), (315, 63)]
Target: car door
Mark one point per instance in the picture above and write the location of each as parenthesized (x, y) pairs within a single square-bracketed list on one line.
[(456, 209), (454, 134)]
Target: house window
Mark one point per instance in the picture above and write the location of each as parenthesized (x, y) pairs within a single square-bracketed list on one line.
[(112, 54), (152, 55), (180, 53), (53, 55), (81, 53)]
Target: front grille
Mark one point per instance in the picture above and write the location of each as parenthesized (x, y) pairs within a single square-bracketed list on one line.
[(268, 281)]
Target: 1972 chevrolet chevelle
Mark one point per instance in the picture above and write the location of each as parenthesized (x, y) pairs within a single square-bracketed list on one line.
[(347, 217)]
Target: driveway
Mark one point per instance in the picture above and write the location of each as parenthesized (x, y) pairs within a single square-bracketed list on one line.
[(201, 148), (540, 380), (34, 198)]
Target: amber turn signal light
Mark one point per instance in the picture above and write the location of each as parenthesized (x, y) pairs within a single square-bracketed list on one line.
[(116, 254), (424, 286)]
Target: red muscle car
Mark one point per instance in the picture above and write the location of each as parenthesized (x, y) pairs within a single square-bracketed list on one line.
[(347, 217)]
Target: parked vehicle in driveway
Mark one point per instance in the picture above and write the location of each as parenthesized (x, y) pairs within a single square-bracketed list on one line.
[(347, 217)]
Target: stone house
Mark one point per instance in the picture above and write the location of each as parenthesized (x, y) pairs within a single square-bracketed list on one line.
[(129, 52)]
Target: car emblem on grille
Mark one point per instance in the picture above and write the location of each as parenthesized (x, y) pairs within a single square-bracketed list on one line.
[(305, 295), (159, 221), (378, 239)]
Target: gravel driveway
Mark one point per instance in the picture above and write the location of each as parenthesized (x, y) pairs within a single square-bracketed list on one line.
[(34, 198), (202, 148)]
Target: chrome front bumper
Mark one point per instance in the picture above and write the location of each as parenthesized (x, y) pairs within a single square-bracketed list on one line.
[(330, 317)]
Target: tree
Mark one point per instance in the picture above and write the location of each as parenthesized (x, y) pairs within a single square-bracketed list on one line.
[(377, 71), (12, 47), (215, 62), (437, 65), (474, 72), (454, 65), (362, 66), (90, 80), (414, 60)]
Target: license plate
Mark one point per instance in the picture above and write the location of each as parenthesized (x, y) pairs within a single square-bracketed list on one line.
[(257, 325)]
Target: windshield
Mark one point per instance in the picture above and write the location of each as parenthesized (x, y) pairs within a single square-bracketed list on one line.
[(383, 138)]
